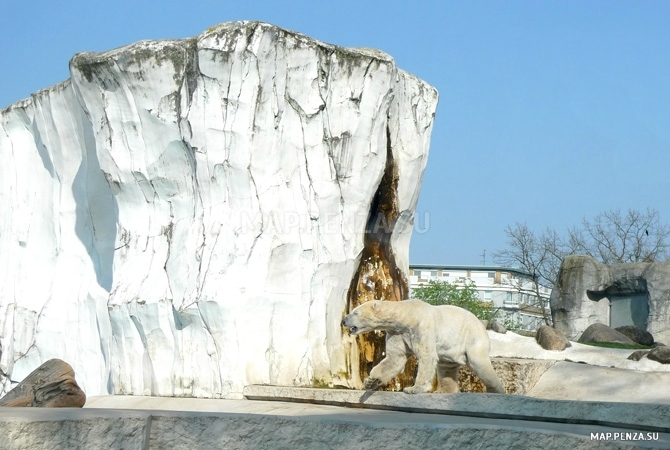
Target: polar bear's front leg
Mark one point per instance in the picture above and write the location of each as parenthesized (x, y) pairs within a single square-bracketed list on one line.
[(392, 364), (424, 378), (425, 374)]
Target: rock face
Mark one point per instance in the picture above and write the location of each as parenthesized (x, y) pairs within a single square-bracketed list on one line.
[(192, 216), (550, 338), (51, 385), (585, 289), (518, 376), (637, 335), (602, 333)]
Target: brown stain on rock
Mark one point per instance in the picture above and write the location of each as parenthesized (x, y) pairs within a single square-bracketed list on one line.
[(378, 277)]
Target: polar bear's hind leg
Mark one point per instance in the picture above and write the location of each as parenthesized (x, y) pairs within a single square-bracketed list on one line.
[(447, 377), (480, 364)]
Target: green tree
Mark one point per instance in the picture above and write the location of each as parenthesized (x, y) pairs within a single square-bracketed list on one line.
[(457, 294)]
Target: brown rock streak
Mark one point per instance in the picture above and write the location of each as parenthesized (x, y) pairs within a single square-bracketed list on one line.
[(378, 277)]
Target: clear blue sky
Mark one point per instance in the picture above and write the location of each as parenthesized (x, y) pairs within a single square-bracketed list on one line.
[(549, 111)]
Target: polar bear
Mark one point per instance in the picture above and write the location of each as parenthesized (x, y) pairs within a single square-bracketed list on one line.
[(443, 338)]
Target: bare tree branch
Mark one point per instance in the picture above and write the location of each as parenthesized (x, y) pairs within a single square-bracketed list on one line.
[(611, 237)]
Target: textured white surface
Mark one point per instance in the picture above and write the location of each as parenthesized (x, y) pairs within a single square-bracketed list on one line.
[(512, 345), (185, 217)]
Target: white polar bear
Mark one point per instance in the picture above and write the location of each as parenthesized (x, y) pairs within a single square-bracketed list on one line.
[(443, 338)]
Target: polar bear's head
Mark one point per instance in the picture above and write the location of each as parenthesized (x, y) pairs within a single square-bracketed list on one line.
[(365, 318)]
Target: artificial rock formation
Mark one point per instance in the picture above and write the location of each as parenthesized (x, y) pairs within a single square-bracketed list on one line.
[(188, 217), (518, 376), (584, 287)]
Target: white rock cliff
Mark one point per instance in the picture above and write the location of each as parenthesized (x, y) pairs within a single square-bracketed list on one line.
[(186, 217)]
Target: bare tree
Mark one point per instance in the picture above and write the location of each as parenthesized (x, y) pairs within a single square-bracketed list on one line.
[(539, 255), (612, 237)]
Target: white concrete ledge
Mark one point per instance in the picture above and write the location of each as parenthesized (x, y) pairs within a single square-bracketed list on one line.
[(199, 424), (635, 416)]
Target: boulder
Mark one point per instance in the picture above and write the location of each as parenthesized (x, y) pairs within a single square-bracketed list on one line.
[(638, 355), (660, 354), (51, 385), (497, 327), (550, 338), (637, 335), (598, 332)]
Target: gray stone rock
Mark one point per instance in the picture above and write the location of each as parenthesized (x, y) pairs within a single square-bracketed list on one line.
[(637, 335), (660, 354), (657, 344), (51, 385), (498, 327), (638, 355), (584, 286), (598, 332), (550, 338)]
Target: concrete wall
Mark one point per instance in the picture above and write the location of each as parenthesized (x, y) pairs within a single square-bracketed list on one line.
[(453, 421)]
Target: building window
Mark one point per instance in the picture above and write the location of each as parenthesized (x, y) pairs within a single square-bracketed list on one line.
[(511, 299), (488, 295), (433, 273), (492, 274)]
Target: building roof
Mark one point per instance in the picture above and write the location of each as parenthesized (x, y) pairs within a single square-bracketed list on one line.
[(465, 267)]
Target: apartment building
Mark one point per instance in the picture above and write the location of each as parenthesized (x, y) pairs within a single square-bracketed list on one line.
[(510, 290)]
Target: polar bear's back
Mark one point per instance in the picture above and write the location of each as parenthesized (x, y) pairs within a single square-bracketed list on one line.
[(458, 318), (458, 313), (447, 317), (459, 333)]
